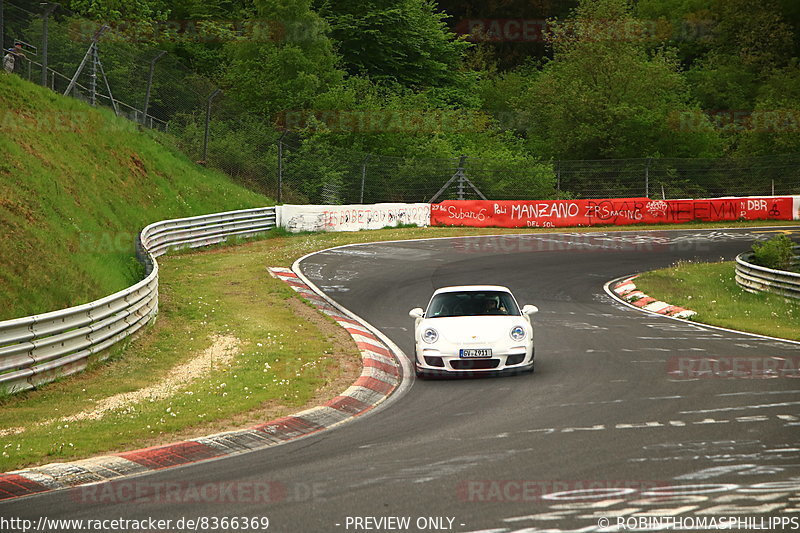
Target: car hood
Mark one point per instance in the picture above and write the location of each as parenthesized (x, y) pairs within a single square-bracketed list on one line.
[(474, 329)]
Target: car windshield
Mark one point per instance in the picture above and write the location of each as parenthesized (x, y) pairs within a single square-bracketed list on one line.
[(471, 303)]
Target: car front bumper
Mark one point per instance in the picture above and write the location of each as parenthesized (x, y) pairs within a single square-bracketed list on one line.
[(439, 362)]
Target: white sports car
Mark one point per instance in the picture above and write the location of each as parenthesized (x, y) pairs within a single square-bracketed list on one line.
[(473, 328)]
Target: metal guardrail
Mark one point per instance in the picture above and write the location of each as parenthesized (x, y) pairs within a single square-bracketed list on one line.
[(41, 348), (755, 278)]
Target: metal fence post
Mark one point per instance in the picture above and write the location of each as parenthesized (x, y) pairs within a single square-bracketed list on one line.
[(363, 176), (48, 9), (558, 176), (280, 167), (647, 178), (208, 120), (2, 25), (150, 84)]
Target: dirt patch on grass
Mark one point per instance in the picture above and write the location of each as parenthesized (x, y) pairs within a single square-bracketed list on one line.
[(345, 368), (221, 353)]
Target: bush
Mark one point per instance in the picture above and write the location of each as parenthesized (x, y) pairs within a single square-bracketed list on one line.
[(775, 253)]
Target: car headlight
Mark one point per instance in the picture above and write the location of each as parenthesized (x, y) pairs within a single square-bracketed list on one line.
[(430, 335), (517, 333)]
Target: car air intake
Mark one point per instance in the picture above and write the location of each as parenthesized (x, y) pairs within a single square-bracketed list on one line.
[(515, 359), (433, 361), (475, 364)]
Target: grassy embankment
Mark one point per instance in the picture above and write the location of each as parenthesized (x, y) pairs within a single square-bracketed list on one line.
[(76, 186), (711, 290)]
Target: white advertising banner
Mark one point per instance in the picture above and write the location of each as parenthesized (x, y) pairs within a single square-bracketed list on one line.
[(356, 217), (796, 209)]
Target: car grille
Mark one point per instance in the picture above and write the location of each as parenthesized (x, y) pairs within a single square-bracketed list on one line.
[(433, 361), (474, 364)]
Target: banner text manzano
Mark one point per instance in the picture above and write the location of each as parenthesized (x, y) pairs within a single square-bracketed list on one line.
[(616, 211)]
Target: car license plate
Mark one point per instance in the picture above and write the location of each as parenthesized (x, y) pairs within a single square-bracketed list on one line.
[(475, 352)]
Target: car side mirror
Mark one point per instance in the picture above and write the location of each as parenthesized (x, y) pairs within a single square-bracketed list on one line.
[(529, 310), (417, 312)]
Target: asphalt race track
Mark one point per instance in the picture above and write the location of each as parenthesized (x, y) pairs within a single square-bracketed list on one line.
[(601, 430)]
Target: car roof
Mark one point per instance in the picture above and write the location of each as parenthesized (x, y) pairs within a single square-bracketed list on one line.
[(471, 288)]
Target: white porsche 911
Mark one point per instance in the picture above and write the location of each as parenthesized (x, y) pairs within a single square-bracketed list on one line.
[(473, 328)]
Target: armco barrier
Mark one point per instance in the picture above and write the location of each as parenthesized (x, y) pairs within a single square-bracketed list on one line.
[(755, 278), (40, 348)]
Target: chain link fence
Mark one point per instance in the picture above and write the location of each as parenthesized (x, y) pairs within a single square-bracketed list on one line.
[(91, 62), (111, 68)]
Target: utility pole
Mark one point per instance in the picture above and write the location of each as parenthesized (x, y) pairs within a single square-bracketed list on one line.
[(48, 10)]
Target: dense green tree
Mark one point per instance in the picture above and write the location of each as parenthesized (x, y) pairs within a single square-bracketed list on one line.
[(604, 96), (404, 41), (746, 44), (685, 25), (774, 126), (285, 64), (120, 10)]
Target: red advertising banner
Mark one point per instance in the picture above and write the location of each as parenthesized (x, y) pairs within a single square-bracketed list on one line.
[(616, 211)]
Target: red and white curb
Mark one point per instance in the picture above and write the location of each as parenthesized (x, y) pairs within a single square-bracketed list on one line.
[(380, 376), (627, 291)]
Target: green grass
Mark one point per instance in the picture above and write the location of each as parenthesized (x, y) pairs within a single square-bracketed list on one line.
[(711, 290), (76, 186)]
